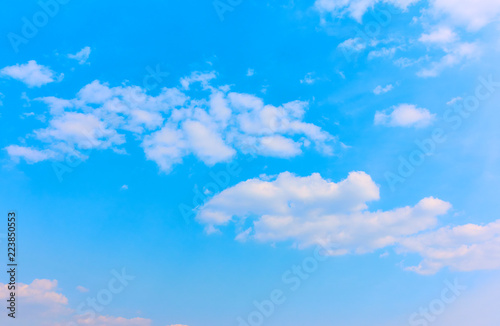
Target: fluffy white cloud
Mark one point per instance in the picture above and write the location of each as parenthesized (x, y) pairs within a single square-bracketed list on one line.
[(213, 125), (442, 35), (462, 248), (206, 143), (307, 211), (31, 73), (382, 89), (311, 210), (404, 115), (39, 291), (198, 77), (41, 299), (81, 56)]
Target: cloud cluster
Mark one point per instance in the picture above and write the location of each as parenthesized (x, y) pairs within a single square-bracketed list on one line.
[(307, 211), (213, 125), (47, 306), (441, 35), (311, 210), (473, 14)]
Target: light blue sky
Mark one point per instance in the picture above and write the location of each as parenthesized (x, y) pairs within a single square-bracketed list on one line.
[(308, 108)]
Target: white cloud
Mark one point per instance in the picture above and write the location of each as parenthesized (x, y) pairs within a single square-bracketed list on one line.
[(55, 104), (207, 143), (279, 146), (462, 248), (442, 35), (39, 291), (404, 115), (381, 90), (41, 298), (31, 73), (213, 124), (80, 131), (455, 55), (308, 211), (30, 155), (82, 56), (166, 147), (353, 45), (250, 72), (95, 92), (473, 14), (313, 211)]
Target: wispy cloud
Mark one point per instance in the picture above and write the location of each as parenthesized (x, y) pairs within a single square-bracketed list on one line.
[(81, 56)]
